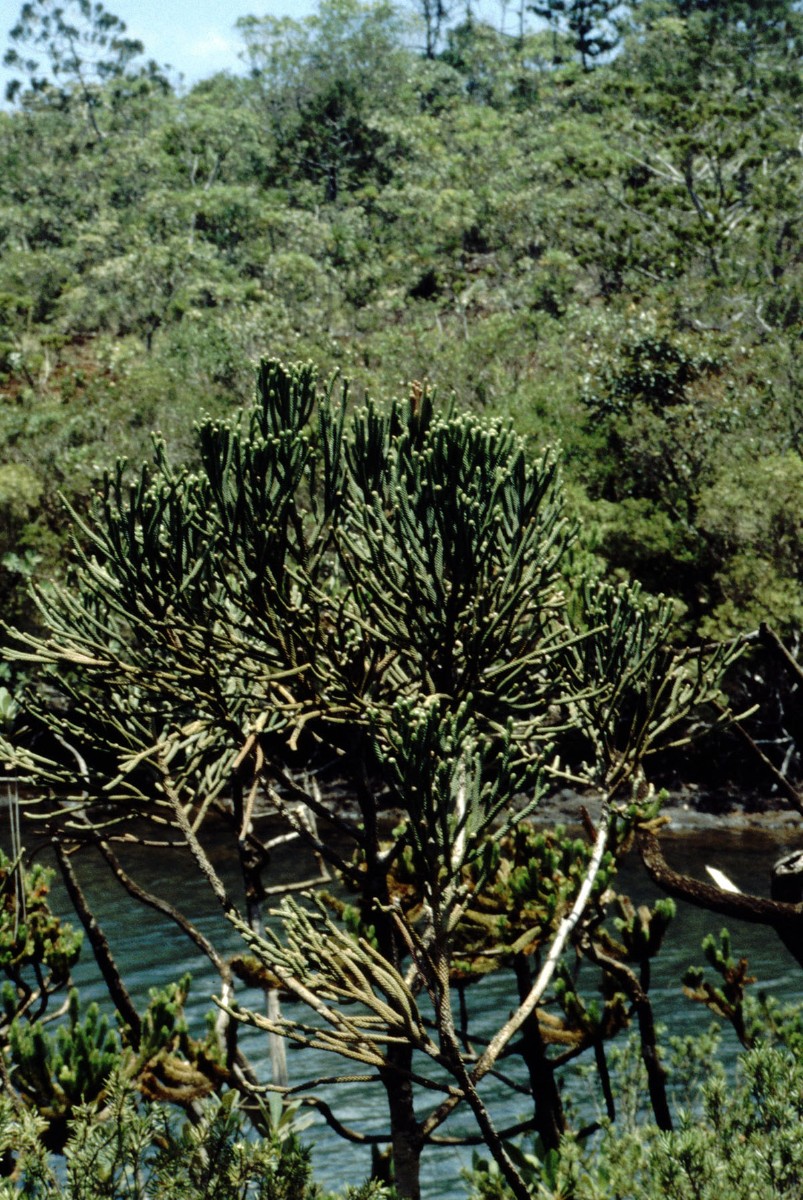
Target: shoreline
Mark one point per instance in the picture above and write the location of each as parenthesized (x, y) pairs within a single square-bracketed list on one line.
[(690, 810)]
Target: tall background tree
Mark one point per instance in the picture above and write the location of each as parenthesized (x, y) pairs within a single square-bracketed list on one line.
[(377, 592), (71, 50), (586, 26)]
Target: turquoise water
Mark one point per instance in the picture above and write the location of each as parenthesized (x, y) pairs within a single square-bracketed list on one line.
[(150, 951)]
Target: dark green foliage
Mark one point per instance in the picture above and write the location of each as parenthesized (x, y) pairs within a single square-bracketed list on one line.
[(37, 949), (384, 586), (318, 85), (428, 754), (486, 220), (520, 888), (130, 1151), (55, 1069), (351, 569), (460, 539), (588, 26), (727, 999), (737, 1141), (641, 931), (54, 1073)]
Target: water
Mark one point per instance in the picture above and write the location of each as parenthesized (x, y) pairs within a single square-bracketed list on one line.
[(150, 951)]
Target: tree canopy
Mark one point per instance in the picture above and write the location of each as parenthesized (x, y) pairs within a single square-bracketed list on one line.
[(374, 594), (576, 226)]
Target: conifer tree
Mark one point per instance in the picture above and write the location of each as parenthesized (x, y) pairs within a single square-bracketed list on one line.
[(72, 49), (378, 597), (587, 24)]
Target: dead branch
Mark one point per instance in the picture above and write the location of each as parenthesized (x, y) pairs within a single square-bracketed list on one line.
[(786, 919)]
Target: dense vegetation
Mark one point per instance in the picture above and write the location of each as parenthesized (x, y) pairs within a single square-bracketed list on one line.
[(381, 598), (587, 229), (611, 256)]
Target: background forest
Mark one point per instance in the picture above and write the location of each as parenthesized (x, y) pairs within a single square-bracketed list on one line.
[(580, 219), (591, 224)]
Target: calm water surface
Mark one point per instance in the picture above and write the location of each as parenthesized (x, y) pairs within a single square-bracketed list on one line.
[(151, 951)]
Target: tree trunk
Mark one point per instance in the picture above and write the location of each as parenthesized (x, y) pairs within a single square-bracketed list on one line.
[(650, 1056), (549, 1119), (406, 1141), (100, 947), (406, 1136), (251, 868)]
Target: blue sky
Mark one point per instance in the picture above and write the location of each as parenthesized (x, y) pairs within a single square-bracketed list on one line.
[(196, 37)]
